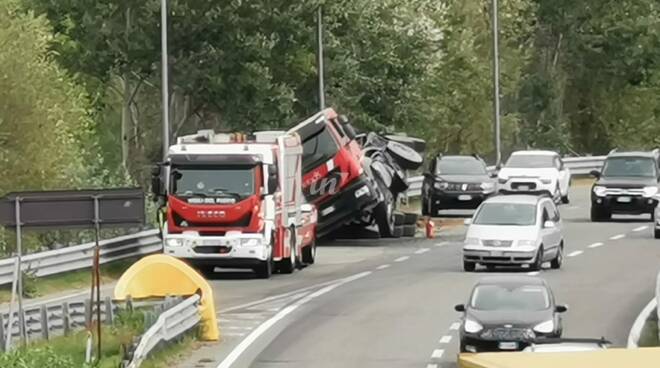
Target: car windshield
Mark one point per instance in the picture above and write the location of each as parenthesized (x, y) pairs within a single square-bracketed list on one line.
[(510, 298), (211, 181), (513, 214), (318, 149), (530, 161), (630, 166), (460, 167)]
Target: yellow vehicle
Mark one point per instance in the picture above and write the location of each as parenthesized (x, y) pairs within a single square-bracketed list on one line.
[(606, 358)]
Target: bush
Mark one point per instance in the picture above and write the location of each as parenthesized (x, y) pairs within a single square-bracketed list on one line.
[(35, 358)]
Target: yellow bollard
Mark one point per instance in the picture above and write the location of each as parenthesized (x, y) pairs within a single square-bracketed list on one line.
[(160, 275)]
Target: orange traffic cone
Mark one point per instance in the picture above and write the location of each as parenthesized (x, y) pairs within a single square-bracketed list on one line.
[(430, 228)]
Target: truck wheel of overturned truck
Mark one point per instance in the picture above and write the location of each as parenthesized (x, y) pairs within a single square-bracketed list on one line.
[(384, 215), (405, 156), (309, 253), (289, 265)]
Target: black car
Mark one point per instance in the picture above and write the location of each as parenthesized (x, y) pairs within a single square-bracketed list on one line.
[(627, 184), (456, 182), (508, 313)]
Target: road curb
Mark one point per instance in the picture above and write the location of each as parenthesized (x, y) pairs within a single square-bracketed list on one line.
[(636, 330)]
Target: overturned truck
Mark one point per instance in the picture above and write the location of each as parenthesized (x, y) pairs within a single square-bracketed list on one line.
[(355, 179)]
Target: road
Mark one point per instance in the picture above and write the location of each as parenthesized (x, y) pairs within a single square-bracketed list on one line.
[(390, 303)]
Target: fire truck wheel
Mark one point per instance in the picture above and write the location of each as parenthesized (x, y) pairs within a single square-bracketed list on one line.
[(265, 269), (309, 253), (289, 265)]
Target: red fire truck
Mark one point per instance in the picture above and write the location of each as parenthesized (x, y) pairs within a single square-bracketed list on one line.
[(236, 202)]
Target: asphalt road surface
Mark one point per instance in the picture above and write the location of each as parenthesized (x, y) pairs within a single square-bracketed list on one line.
[(390, 303)]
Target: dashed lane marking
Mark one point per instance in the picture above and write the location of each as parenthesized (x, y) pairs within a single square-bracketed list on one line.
[(437, 353), (533, 273), (382, 267), (454, 326), (576, 253), (641, 228), (422, 251), (431, 366), (617, 237), (441, 244), (401, 259), (445, 339), (596, 245)]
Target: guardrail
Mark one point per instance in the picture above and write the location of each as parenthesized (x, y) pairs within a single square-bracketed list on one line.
[(80, 256), (170, 324), (44, 321), (577, 165)]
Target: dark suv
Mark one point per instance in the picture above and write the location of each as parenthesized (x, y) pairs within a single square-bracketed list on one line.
[(627, 184), (456, 182)]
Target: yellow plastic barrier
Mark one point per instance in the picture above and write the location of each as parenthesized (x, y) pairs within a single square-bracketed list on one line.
[(162, 275), (610, 358)]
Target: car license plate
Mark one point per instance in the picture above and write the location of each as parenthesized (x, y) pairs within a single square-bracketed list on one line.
[(508, 345), (523, 187), (496, 254), (464, 197), (624, 199)]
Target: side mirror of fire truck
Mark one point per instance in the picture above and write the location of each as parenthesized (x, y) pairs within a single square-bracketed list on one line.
[(272, 180), (156, 183), (348, 128)]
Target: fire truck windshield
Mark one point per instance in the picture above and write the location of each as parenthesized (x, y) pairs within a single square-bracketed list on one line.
[(213, 181)]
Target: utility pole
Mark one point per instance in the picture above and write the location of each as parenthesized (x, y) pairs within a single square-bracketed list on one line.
[(165, 82), (496, 84), (319, 53)]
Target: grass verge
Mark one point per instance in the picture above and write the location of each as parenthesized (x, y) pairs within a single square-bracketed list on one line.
[(41, 286), (649, 335)]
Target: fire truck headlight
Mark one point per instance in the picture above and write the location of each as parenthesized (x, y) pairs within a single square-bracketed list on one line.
[(249, 242), (174, 242)]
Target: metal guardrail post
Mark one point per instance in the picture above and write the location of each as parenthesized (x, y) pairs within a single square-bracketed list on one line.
[(66, 319), (45, 326)]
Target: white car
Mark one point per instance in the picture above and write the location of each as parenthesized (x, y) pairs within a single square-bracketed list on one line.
[(535, 171), (517, 229)]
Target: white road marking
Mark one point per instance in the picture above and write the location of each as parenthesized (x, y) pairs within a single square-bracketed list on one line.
[(596, 245), (238, 328), (431, 366), (617, 237), (533, 273), (401, 259), (441, 244), (254, 335), (572, 207), (422, 251), (575, 254), (232, 334), (382, 267), (445, 339), (455, 326), (641, 228), (437, 353)]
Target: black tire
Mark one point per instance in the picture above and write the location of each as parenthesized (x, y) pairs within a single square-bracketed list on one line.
[(556, 263), (462, 347), (538, 261), (207, 271), (469, 266), (410, 218), (265, 269), (399, 218), (383, 214), (419, 145), (656, 233), (565, 199), (405, 156), (398, 231), (425, 207), (596, 215), (289, 265), (409, 230), (309, 253)]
